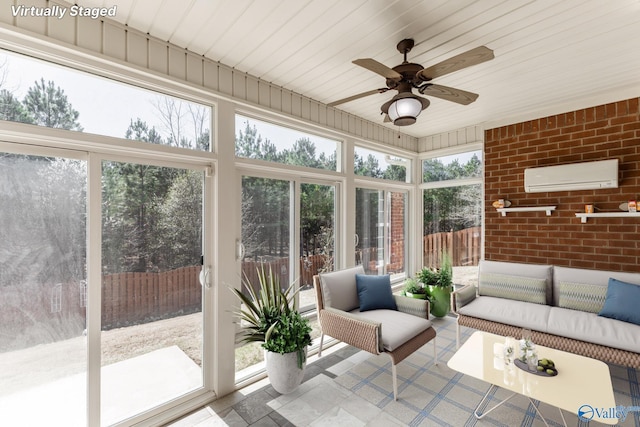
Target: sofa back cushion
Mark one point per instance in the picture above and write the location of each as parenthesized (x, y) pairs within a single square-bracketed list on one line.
[(339, 289), (586, 277), (516, 281), (581, 296)]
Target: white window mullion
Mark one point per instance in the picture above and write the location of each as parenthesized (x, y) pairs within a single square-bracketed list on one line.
[(94, 287)]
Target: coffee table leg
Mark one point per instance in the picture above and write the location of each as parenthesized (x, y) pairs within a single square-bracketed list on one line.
[(493, 387)]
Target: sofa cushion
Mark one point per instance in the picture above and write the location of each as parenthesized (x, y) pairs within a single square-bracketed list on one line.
[(339, 288), (589, 277), (374, 292), (528, 289), (397, 327), (595, 329), (510, 312), (581, 296), (532, 271), (622, 302)]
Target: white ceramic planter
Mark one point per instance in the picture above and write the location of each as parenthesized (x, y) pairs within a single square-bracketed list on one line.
[(283, 371)]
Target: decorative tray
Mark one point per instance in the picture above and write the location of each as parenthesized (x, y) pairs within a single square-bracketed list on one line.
[(520, 364)]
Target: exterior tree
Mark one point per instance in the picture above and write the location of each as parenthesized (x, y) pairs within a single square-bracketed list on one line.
[(11, 109), (49, 106)]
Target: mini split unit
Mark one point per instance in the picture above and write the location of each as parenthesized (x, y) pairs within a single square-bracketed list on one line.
[(575, 176)]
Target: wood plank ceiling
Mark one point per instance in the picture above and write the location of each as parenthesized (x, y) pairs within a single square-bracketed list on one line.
[(550, 56)]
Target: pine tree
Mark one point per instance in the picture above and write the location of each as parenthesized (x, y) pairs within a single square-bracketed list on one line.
[(11, 108), (49, 106)]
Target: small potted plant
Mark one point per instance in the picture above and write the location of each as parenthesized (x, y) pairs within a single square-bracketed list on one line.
[(414, 289), (439, 284), (271, 317)]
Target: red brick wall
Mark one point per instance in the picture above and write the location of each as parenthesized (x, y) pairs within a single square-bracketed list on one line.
[(598, 133)]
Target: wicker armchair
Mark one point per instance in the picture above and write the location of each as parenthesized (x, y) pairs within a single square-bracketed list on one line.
[(395, 333)]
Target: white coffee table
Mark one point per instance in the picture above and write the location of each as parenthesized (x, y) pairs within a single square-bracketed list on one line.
[(583, 385)]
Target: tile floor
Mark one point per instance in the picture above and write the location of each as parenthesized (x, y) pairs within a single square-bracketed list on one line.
[(348, 387)]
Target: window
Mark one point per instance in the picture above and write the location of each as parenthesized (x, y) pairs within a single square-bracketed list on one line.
[(375, 164), (256, 139), (29, 85), (452, 216), (452, 167), (381, 228)]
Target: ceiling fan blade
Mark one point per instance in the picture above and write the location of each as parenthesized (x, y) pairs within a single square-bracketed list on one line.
[(358, 96), (386, 119), (450, 94), (458, 62), (378, 68)]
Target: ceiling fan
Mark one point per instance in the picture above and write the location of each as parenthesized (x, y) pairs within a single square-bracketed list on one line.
[(404, 107)]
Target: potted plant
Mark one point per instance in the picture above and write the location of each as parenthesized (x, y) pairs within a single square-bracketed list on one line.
[(271, 318), (439, 284), (414, 289)]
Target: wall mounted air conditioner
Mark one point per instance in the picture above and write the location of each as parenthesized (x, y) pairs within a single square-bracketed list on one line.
[(575, 176)]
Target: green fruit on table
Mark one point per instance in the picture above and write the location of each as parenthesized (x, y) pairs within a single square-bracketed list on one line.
[(551, 372), (540, 368)]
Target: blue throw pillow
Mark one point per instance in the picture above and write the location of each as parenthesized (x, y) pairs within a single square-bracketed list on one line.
[(622, 302), (374, 292)]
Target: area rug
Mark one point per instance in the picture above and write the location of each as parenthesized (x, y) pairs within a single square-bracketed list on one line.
[(430, 395)]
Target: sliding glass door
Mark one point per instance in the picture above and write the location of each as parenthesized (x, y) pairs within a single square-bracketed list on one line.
[(43, 290), (151, 336), (271, 209)]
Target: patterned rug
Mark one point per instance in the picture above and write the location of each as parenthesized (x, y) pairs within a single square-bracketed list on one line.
[(431, 395)]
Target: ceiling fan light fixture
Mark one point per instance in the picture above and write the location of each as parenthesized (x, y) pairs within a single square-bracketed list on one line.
[(404, 108), (404, 111)]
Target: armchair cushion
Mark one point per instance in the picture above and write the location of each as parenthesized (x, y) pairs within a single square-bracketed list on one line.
[(339, 288), (374, 292), (398, 328)]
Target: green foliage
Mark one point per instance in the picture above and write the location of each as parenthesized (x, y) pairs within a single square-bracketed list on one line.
[(412, 286), (290, 333), (264, 308), (442, 276), (47, 104), (11, 109)]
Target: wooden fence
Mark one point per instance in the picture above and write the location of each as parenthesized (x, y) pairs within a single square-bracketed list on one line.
[(463, 246), (132, 298), (309, 266)]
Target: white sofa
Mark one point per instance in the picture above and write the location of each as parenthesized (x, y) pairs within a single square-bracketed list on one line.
[(559, 304)]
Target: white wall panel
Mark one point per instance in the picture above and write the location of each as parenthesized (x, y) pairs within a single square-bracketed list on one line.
[(296, 104), (157, 56), (264, 93), (62, 29), (137, 49), (313, 111), (90, 34), (6, 15), (225, 80), (211, 74), (275, 98), (252, 90), (35, 24), (322, 114), (114, 39), (468, 135), (286, 101), (177, 63), (239, 85), (195, 69)]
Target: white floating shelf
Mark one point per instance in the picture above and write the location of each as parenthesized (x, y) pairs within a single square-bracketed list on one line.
[(583, 216), (546, 209)]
